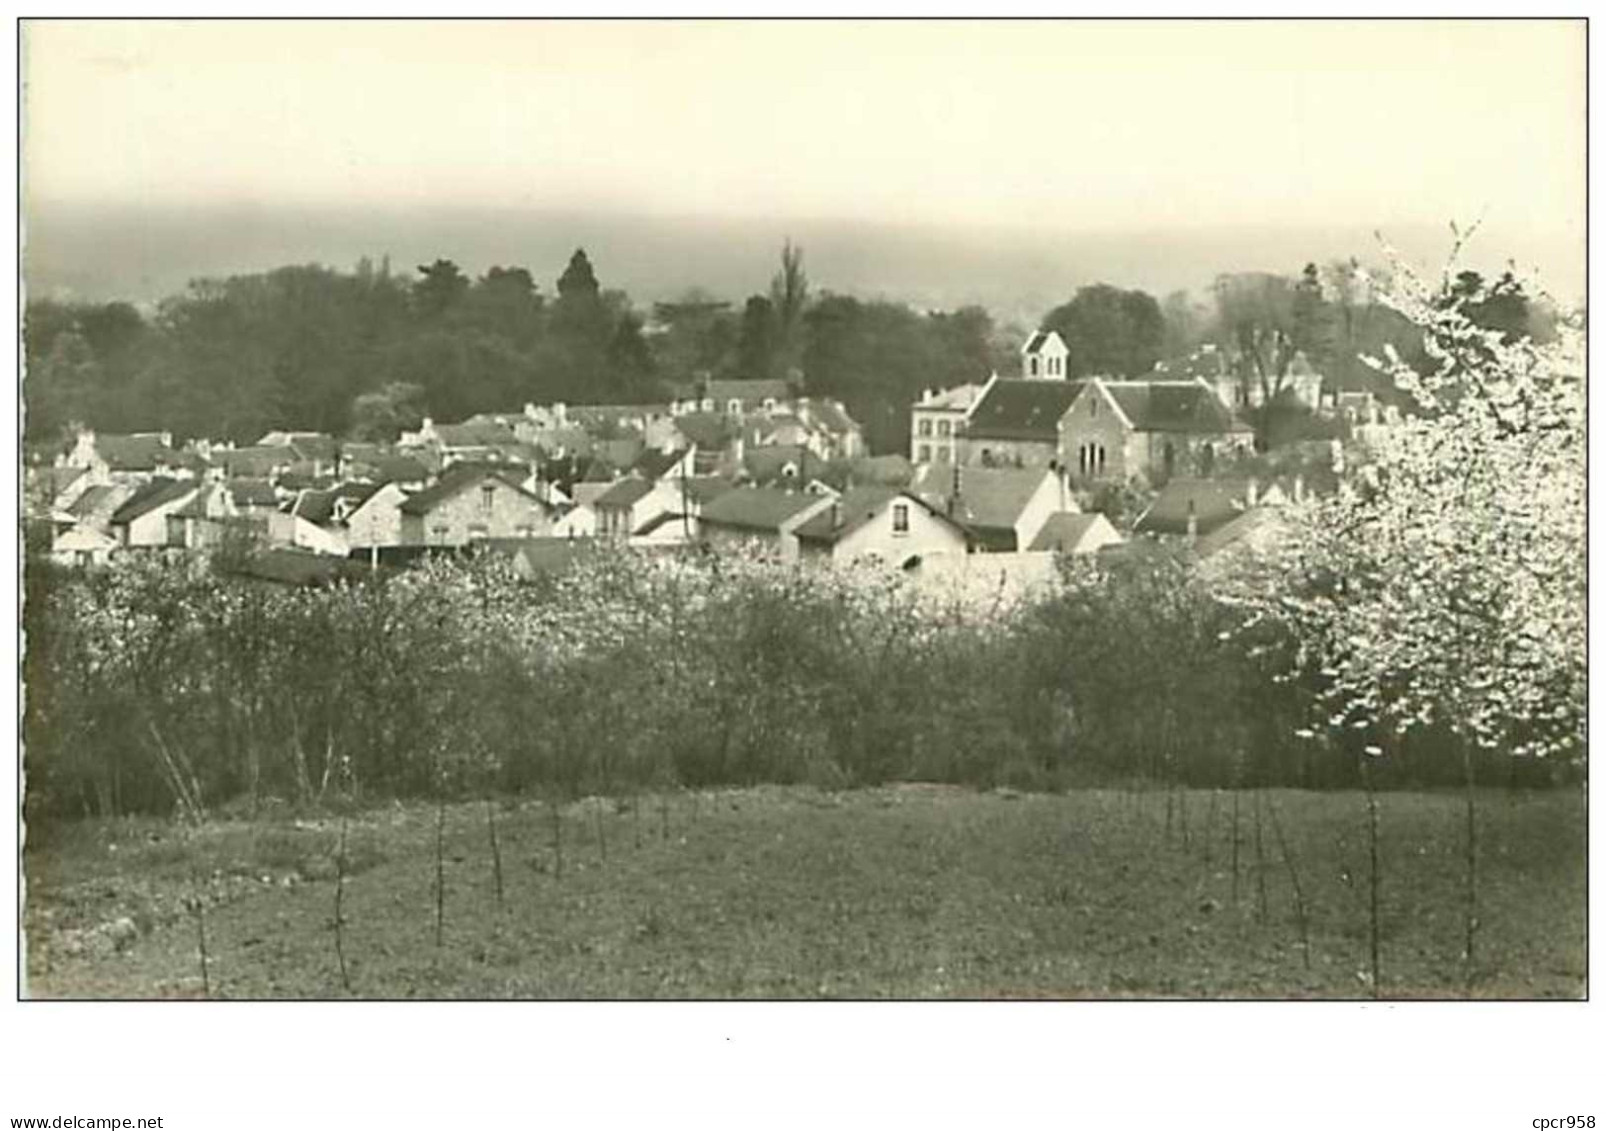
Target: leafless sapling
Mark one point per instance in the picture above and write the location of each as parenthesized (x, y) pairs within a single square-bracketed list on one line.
[(1293, 878)]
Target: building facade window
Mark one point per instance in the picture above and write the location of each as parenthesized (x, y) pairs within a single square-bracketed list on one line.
[(487, 498), (900, 518), (925, 453), (924, 427), (945, 428)]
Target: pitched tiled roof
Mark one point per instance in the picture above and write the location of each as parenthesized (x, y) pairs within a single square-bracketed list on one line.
[(569, 437), (990, 499), (1248, 528), (709, 431), (1173, 406), (306, 445), (1212, 502), (831, 415), (299, 480), (102, 501), (856, 507), (258, 462), (1063, 531), (958, 398), (148, 496), (318, 507), (541, 555), (756, 508), (704, 489), (140, 452), (252, 493), (457, 480), (398, 469), (197, 507), (624, 493), (58, 479), (1017, 409), (766, 463), (620, 453), (474, 435), (752, 392), (651, 464)]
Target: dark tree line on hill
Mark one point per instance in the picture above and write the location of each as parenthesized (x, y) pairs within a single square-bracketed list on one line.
[(371, 351)]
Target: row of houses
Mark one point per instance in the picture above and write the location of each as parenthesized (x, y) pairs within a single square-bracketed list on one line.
[(750, 470), (1184, 420)]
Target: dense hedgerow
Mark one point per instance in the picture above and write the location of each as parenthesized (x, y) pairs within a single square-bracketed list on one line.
[(158, 687)]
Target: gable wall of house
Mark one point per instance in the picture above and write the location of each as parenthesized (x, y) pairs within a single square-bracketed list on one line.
[(458, 520), (151, 528), (1093, 426), (927, 534), (378, 521), (1101, 534), (1050, 497)]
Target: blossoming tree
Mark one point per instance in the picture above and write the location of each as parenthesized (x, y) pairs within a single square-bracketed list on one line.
[(1443, 587)]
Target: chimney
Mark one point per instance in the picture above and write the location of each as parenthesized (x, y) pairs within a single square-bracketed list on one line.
[(1299, 488), (530, 412), (1254, 491), (560, 412), (1193, 522)]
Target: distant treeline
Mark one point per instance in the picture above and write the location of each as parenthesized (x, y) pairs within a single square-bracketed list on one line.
[(371, 351)]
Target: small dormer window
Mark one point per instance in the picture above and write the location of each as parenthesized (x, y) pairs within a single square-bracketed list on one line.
[(733, 407), (769, 404)]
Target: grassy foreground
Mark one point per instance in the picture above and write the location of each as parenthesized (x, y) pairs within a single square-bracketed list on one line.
[(910, 891)]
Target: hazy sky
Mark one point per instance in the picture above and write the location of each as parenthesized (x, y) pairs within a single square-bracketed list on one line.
[(1073, 125)]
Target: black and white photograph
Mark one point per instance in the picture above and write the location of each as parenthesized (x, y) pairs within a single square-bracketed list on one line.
[(807, 510)]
